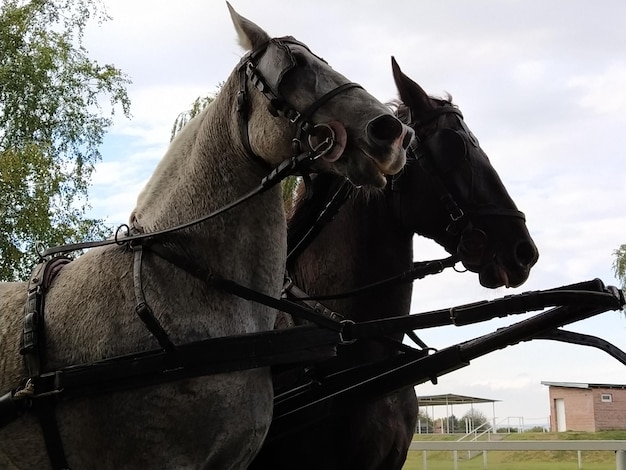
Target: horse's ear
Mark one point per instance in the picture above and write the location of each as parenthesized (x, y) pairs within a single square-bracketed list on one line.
[(410, 92), (250, 35)]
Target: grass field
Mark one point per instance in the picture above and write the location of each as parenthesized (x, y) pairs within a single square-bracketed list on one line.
[(527, 460)]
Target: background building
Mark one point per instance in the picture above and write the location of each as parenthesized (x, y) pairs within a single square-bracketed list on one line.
[(586, 407)]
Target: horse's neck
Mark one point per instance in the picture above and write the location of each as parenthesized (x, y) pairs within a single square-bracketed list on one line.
[(362, 245), (199, 173)]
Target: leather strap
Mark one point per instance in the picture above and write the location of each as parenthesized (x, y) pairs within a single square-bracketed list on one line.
[(143, 310), (45, 410), (33, 351)]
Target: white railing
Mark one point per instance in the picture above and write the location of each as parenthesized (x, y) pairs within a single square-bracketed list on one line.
[(619, 447), (478, 432)]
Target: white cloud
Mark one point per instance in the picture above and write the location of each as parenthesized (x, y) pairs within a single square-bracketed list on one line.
[(602, 92), (530, 73)]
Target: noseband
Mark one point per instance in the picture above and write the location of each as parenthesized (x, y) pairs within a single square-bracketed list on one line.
[(265, 68)]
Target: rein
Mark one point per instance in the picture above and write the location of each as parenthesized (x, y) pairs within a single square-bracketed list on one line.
[(123, 234), (259, 69), (419, 270), (250, 69)]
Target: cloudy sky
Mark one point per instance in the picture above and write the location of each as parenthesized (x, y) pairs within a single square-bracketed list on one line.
[(541, 84)]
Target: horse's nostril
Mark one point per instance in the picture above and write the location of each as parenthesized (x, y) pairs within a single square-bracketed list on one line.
[(526, 254), (384, 129)]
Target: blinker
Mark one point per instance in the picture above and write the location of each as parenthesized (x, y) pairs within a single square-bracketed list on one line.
[(447, 149), (274, 63)]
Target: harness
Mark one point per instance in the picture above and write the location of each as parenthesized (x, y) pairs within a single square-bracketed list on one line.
[(264, 68), (40, 391)]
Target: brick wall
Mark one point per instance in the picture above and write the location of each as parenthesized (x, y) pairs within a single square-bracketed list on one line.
[(585, 410), (578, 408), (609, 415)]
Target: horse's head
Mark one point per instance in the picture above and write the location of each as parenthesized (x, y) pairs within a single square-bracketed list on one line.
[(452, 194), (282, 82)]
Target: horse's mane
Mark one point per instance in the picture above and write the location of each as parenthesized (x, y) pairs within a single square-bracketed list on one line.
[(403, 112)]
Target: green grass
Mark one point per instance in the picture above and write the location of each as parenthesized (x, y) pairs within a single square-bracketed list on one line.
[(526, 460)]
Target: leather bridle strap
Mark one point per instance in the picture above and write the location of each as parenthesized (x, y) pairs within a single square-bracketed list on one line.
[(459, 217), (248, 71), (242, 119)]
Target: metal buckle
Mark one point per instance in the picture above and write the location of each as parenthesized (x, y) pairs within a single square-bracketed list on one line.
[(295, 116)]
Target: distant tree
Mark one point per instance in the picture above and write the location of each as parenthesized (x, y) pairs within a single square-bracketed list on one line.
[(52, 122), (451, 424), (199, 104), (472, 420), (289, 185), (424, 424), (507, 430), (619, 265)]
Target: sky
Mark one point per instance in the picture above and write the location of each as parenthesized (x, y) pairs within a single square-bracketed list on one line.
[(541, 84)]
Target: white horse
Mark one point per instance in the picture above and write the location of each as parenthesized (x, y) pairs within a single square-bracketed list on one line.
[(217, 421)]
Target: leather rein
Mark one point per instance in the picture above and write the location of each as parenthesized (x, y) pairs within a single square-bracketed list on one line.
[(38, 390)]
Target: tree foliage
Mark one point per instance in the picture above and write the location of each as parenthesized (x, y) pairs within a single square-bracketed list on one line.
[(473, 419), (289, 184), (199, 104), (425, 423), (53, 116), (619, 265)]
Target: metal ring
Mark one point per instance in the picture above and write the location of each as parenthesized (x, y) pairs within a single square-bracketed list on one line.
[(343, 340), (117, 232), (464, 270), (328, 142), (40, 249)]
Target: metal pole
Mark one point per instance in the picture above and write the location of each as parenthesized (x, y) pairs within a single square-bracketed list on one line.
[(580, 460), (620, 460), (484, 460), (424, 460), (455, 456)]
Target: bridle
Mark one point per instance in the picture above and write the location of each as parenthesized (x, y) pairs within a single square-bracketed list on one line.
[(265, 68), (430, 152), (442, 152)]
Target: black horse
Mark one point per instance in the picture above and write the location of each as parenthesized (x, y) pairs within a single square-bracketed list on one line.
[(448, 192)]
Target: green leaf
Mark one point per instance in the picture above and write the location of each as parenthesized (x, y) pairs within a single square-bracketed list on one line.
[(55, 107)]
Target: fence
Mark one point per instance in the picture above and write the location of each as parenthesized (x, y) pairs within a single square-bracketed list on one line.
[(619, 447)]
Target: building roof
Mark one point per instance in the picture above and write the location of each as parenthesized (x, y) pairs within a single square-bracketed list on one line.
[(450, 399), (581, 385)]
